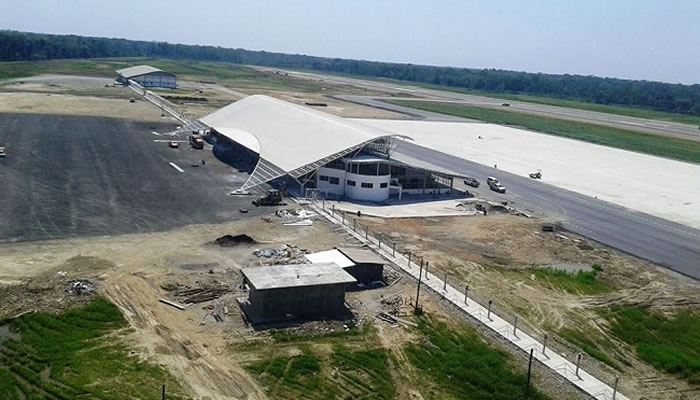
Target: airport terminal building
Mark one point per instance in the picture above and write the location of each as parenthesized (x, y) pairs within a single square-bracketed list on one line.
[(147, 77), (310, 150)]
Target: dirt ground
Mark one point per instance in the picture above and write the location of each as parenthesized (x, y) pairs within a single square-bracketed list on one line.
[(131, 270), (490, 254), (136, 270)]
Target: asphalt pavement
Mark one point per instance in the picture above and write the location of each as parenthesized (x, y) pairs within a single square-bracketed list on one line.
[(660, 241), (70, 176)]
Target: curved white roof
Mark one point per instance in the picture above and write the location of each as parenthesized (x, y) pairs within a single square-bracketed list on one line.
[(139, 70), (288, 135), (290, 139)]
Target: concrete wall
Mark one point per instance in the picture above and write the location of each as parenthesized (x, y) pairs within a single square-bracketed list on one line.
[(156, 79), (299, 302), (376, 193), (325, 186), (366, 273)]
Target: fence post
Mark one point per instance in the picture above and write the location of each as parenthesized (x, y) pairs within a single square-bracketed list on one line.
[(444, 283), (366, 232), (515, 327), (354, 224), (409, 259), (617, 380), (426, 268), (578, 363), (529, 374), (379, 240), (163, 392), (466, 294), (420, 275), (393, 249), (323, 203), (343, 217), (544, 345), (488, 314)]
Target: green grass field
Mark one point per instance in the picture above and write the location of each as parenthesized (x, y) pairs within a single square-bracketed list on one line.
[(669, 343), (462, 366), (331, 365), (581, 282), (629, 111), (79, 354), (679, 149), (595, 348), (236, 75)]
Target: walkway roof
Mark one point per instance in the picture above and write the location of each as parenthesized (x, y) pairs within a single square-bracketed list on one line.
[(139, 70), (290, 139)]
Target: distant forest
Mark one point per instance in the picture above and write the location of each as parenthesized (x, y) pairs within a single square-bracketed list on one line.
[(684, 99)]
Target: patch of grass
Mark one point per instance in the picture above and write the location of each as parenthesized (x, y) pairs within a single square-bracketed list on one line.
[(581, 282), (679, 149), (79, 353), (343, 374), (669, 344), (462, 366), (584, 342), (236, 75)]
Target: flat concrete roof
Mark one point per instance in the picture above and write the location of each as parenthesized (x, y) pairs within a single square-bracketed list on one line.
[(361, 255), (330, 256), (298, 275)]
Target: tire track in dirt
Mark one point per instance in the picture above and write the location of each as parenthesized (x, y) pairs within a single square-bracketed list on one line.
[(195, 356)]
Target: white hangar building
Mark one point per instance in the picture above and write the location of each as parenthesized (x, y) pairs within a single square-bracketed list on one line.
[(147, 76), (315, 150)]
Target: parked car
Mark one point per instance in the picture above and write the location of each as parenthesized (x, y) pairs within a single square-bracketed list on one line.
[(469, 181), (505, 104), (495, 185)]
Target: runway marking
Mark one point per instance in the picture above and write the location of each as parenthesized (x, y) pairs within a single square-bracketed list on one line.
[(172, 164)]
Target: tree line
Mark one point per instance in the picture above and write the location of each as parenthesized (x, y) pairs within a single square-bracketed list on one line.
[(684, 99)]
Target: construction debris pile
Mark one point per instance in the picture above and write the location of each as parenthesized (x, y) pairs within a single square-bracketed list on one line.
[(483, 207), (80, 287), (200, 295), (285, 255), (296, 217)]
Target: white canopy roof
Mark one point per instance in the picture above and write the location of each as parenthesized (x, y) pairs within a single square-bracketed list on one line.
[(289, 138), (138, 70)]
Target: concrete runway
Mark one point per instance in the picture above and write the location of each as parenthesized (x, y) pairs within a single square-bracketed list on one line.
[(69, 176), (660, 241), (666, 128)]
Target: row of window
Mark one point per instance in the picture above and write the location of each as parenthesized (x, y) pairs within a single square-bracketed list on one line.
[(336, 181), (367, 185), (330, 179)]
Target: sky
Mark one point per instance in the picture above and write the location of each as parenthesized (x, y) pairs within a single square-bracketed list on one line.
[(633, 39)]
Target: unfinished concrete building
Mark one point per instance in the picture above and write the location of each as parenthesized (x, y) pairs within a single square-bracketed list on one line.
[(289, 292)]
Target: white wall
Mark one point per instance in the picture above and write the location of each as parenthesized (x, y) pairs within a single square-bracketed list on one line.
[(376, 193), (325, 186)]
